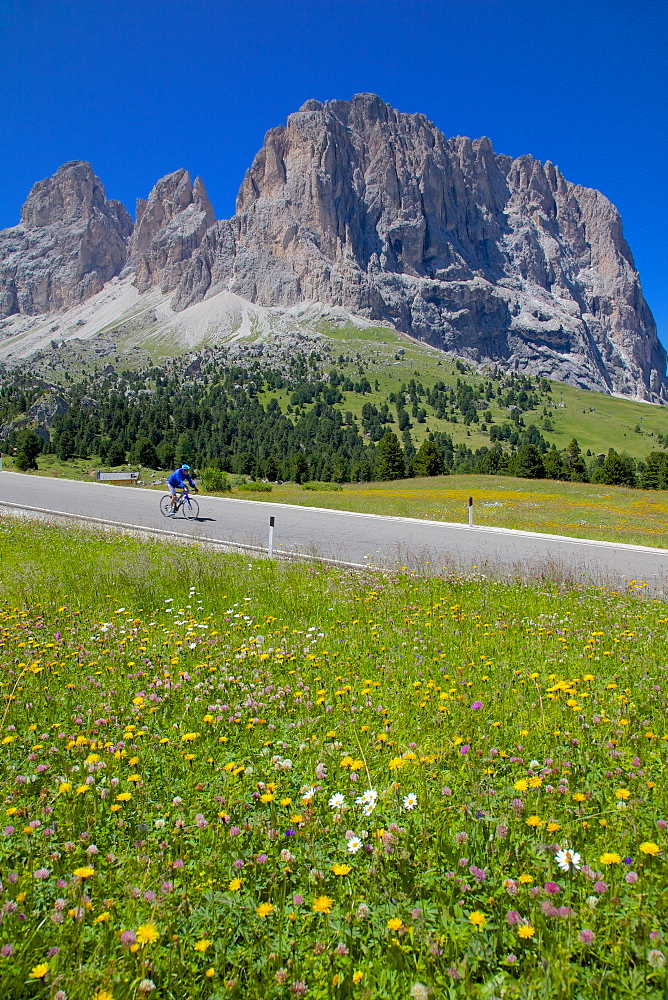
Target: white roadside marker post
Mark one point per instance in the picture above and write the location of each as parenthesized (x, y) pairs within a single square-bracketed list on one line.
[(271, 537), (470, 512)]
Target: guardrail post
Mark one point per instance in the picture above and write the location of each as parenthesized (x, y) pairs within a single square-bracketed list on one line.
[(271, 537), (470, 512)]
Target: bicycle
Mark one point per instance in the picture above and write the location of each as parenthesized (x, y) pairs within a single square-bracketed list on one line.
[(184, 502)]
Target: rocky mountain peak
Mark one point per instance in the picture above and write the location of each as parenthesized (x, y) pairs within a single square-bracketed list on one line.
[(70, 242), (73, 194), (356, 205), (170, 225), (490, 257)]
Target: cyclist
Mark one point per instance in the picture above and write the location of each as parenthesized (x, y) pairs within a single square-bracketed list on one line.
[(177, 481)]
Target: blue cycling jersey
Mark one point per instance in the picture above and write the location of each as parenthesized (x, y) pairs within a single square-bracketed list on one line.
[(178, 479)]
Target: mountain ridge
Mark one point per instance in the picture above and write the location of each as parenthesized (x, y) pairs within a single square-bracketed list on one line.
[(377, 213)]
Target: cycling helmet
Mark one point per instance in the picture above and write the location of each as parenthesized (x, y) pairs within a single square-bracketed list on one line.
[(186, 467)]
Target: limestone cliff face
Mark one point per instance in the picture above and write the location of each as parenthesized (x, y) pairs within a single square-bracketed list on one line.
[(170, 226), (70, 241), (355, 204)]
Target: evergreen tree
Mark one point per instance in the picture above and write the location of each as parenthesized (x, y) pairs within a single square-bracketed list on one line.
[(23, 463), (655, 473), (166, 455), (575, 463), (65, 445), (554, 466), (143, 453), (492, 461), (389, 458), (428, 461), (116, 454), (299, 468), (409, 452), (28, 447), (527, 463), (617, 470)]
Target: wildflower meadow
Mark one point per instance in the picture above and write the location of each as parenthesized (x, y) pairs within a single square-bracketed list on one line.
[(225, 777)]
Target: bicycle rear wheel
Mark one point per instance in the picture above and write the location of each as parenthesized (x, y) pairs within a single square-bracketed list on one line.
[(190, 508), (166, 505)]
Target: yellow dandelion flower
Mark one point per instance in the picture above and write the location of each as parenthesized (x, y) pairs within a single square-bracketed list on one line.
[(323, 904), (203, 945), (394, 924), (340, 869), (84, 872), (147, 934), (525, 879), (622, 794), (210, 973), (235, 885), (521, 785), (478, 919), (123, 797), (534, 821), (526, 931), (535, 782), (39, 971), (610, 858), (264, 909), (358, 977), (64, 786), (579, 797), (102, 917), (650, 848), (103, 995)]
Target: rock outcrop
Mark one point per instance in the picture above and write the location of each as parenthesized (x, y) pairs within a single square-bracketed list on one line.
[(355, 205), (71, 240), (170, 226)]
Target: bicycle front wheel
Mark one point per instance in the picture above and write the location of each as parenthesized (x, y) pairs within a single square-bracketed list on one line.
[(166, 505), (190, 509)]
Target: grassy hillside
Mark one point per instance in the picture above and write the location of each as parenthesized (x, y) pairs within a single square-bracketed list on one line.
[(234, 778), (597, 421), (389, 360)]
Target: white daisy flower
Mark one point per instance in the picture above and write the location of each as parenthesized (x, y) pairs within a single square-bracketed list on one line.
[(354, 845), (370, 797), (368, 808), (337, 800), (307, 796), (568, 860), (410, 801)]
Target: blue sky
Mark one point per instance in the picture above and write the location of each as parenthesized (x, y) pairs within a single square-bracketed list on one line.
[(141, 87)]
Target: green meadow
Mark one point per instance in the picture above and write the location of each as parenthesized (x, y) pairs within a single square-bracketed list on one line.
[(239, 778)]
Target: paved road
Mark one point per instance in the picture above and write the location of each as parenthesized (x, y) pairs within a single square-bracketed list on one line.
[(361, 539)]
